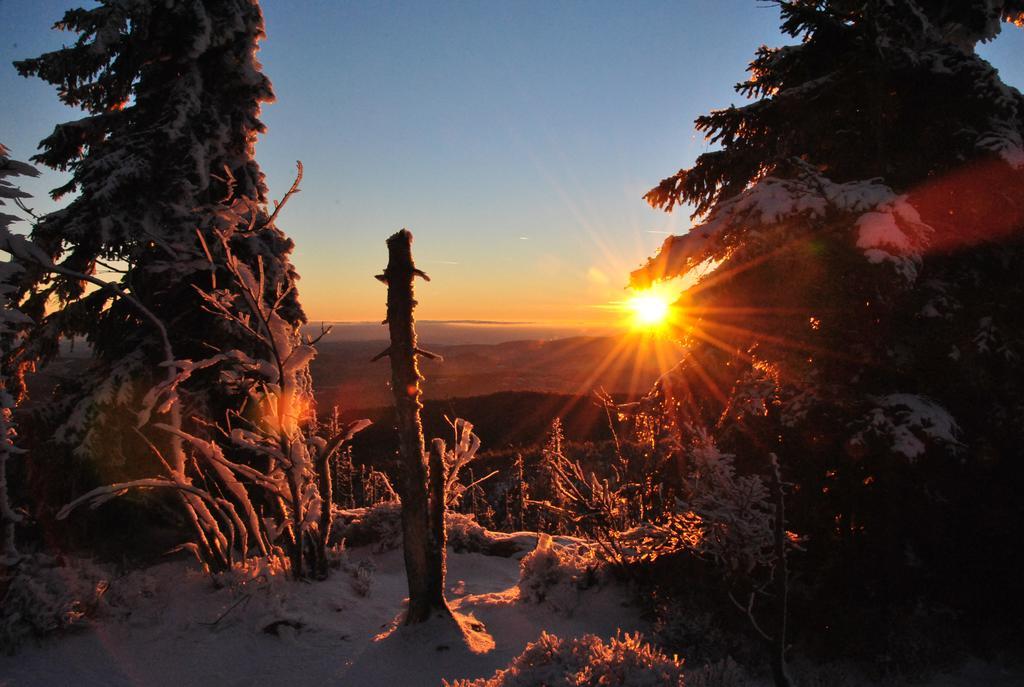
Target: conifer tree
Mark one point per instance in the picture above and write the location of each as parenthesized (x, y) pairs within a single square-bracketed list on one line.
[(860, 225), (516, 496), (12, 325), (172, 94), (552, 519)]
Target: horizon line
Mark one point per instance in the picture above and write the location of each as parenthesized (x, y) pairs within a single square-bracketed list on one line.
[(498, 323)]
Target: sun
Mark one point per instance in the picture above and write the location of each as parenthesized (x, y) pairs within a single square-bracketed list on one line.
[(651, 309)]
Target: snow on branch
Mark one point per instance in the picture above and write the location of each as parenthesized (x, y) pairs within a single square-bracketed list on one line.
[(886, 227), (461, 454), (907, 423), (293, 467)]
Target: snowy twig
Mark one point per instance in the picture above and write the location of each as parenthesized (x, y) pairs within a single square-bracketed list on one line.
[(242, 599), (749, 611), (278, 206)]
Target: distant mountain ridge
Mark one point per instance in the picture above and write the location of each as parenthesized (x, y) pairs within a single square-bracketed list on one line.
[(628, 364), (453, 332)]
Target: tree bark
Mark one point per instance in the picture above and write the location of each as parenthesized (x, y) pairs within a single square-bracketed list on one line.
[(421, 542), (324, 529), (780, 672), (8, 516), (437, 550)]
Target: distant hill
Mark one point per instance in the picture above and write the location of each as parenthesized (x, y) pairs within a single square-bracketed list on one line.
[(505, 420), (455, 332), (562, 371), (628, 365)]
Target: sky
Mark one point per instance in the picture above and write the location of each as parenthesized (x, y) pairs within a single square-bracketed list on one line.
[(514, 139)]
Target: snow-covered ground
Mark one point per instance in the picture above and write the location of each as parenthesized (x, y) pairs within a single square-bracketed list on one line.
[(173, 625), (169, 625)]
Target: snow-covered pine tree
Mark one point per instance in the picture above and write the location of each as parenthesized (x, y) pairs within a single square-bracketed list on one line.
[(172, 94), (12, 325), (550, 519), (344, 477), (517, 493), (864, 219)]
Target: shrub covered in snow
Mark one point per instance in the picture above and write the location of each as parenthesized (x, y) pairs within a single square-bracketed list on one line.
[(624, 660), (466, 535), (696, 632), (724, 673), (360, 576), (554, 575), (379, 525), (725, 516), (41, 594)]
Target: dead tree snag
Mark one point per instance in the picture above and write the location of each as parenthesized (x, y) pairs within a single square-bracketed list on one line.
[(422, 516)]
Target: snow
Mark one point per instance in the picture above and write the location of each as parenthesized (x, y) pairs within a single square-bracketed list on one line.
[(882, 239), (886, 227), (880, 229), (1006, 143), (173, 625), (554, 575), (168, 625), (991, 340), (624, 661), (907, 421)]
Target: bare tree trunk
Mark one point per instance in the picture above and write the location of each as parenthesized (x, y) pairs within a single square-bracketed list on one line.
[(781, 581), (324, 529), (8, 516), (438, 534), (422, 544), (298, 541)]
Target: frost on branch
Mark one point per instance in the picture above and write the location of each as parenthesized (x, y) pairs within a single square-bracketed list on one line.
[(719, 515), (287, 466), (725, 516), (462, 453)]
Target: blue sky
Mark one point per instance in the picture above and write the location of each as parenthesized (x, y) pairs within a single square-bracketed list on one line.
[(515, 139)]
